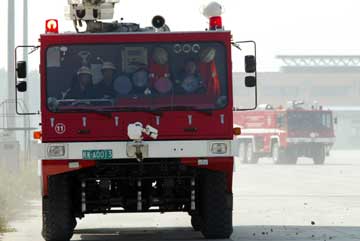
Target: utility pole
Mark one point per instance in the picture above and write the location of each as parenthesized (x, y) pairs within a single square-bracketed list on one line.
[(27, 119), (25, 37), (11, 120)]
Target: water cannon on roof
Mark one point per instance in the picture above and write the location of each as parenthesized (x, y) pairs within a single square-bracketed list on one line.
[(92, 13), (295, 104), (90, 10), (265, 107)]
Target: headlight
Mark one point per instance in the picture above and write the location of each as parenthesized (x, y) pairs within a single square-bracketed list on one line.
[(218, 148), (56, 151)]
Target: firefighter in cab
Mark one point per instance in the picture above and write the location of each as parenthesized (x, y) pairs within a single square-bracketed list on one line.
[(105, 88), (160, 71), (209, 72), (189, 80), (82, 87)]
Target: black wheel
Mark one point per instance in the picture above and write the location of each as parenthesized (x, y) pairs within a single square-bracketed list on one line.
[(291, 157), (278, 155), (242, 151), (196, 222), (251, 156), (74, 223), (215, 206), (319, 155), (58, 218)]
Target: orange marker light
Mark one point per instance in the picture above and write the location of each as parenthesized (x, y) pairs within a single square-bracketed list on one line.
[(37, 135), (52, 26), (237, 131)]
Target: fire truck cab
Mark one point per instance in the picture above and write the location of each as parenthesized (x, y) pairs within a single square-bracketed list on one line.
[(285, 134), (136, 120)]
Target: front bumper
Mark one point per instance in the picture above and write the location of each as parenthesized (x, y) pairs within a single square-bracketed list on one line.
[(295, 140), (149, 149)]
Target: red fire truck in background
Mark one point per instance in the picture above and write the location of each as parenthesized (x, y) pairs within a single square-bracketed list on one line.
[(285, 134), (136, 119)]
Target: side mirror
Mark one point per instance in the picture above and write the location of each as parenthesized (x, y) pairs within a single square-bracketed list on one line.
[(21, 69), (250, 81), (21, 86), (250, 64), (335, 120)]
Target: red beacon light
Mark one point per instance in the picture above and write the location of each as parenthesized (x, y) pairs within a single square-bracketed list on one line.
[(215, 23), (213, 12), (52, 26)]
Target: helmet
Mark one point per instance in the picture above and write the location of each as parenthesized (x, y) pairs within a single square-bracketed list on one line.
[(160, 56), (140, 78), (163, 85), (108, 65), (84, 70), (122, 85), (207, 55), (191, 84)]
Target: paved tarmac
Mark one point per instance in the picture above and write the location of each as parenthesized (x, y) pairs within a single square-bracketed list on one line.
[(301, 203)]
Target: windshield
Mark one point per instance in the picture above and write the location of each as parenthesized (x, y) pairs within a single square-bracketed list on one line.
[(120, 77), (309, 120)]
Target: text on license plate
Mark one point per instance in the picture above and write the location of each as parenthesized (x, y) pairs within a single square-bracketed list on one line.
[(97, 154)]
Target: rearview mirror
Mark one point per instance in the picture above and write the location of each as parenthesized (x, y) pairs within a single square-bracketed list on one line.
[(250, 81), (250, 64), (21, 69), (21, 86)]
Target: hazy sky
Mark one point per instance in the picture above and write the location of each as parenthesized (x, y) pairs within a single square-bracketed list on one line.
[(279, 26)]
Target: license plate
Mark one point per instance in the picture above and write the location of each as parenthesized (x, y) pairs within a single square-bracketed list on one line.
[(97, 154)]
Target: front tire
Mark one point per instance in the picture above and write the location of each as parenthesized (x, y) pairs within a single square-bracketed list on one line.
[(58, 219), (196, 222), (291, 156), (277, 154), (251, 156), (242, 152), (215, 206), (319, 155)]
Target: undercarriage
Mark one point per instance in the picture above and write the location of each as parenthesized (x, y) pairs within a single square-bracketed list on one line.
[(132, 186), (129, 186)]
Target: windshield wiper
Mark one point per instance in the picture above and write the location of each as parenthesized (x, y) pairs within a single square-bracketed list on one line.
[(140, 109), (188, 108), (108, 111), (102, 112), (158, 111)]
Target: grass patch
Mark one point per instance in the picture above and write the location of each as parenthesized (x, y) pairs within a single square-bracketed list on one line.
[(4, 228)]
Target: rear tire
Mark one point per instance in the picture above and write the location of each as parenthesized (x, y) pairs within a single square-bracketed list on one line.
[(215, 206), (58, 219)]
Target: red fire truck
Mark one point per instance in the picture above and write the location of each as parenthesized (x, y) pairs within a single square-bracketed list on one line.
[(285, 134), (136, 119)]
